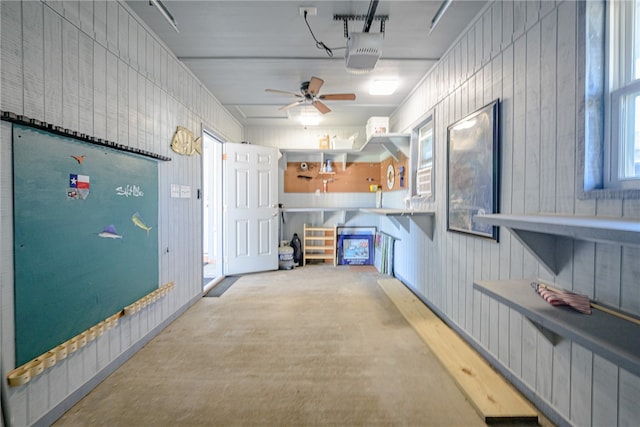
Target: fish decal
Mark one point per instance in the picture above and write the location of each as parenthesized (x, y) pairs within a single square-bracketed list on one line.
[(109, 232), (79, 159), (139, 223)]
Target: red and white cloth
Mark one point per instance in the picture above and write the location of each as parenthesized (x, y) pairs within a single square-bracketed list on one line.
[(578, 302)]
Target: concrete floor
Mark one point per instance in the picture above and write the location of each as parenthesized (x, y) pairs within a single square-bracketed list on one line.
[(314, 346)]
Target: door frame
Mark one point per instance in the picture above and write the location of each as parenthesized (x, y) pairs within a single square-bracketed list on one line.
[(212, 215)]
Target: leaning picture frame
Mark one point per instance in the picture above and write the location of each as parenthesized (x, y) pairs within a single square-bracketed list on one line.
[(473, 171)]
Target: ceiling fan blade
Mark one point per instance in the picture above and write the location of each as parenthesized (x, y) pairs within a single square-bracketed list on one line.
[(314, 85), (339, 97), (321, 107), (293, 104), (284, 92)]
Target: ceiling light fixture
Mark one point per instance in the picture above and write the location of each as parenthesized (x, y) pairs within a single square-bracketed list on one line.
[(309, 118), (165, 12), (383, 87)]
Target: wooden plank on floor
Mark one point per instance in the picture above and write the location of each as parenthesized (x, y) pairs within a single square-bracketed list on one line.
[(491, 395)]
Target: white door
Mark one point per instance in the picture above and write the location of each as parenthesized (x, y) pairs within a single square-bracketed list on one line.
[(251, 208)]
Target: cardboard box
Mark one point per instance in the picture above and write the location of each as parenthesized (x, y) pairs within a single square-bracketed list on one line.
[(323, 142)]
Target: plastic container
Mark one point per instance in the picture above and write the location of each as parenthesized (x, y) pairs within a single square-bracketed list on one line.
[(376, 126), (285, 256)]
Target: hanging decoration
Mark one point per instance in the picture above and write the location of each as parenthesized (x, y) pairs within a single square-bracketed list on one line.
[(183, 142)]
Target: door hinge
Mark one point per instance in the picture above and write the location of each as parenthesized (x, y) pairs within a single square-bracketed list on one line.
[(224, 156)]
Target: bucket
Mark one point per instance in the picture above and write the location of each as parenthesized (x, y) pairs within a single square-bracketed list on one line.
[(285, 256)]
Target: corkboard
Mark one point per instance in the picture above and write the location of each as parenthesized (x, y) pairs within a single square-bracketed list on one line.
[(384, 167), (354, 179)]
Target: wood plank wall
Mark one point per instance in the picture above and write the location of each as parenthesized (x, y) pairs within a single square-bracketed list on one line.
[(91, 66), (528, 55)]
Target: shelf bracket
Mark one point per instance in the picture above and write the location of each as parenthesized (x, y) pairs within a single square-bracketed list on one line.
[(541, 245), (425, 222), (400, 221), (344, 162), (551, 336), (392, 149)]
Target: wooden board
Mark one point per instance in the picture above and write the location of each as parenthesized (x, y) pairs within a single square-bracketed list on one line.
[(491, 395)]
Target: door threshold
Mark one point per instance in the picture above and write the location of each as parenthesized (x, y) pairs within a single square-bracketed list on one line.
[(212, 284)]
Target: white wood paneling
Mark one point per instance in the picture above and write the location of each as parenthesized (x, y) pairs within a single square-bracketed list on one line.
[(548, 89), (605, 392), (629, 410), (53, 66), (535, 52), (566, 110), (81, 72), (70, 70), (100, 91), (581, 381), (33, 59)]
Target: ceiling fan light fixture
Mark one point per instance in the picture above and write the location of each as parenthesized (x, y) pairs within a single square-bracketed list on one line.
[(363, 51), (309, 118), (383, 87)]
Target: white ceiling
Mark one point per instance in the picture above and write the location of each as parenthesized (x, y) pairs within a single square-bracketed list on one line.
[(240, 48)]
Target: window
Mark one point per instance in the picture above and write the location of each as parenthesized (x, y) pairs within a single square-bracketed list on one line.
[(424, 175), (622, 105)]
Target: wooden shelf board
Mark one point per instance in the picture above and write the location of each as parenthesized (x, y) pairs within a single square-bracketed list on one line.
[(491, 395), (619, 231), (543, 234), (402, 217), (319, 256), (615, 339)]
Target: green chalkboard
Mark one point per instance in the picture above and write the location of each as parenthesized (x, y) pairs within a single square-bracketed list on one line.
[(85, 236)]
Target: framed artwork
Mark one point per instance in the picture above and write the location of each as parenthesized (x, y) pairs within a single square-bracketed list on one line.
[(473, 171)]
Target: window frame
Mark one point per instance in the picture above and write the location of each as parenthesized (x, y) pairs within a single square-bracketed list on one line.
[(417, 150), (593, 121), (619, 84)]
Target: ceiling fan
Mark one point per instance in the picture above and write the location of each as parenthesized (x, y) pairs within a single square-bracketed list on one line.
[(309, 92)]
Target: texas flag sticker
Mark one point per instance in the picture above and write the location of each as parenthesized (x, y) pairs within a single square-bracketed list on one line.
[(78, 181), (81, 183)]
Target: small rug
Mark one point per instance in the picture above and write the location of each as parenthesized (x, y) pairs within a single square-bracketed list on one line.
[(222, 287)]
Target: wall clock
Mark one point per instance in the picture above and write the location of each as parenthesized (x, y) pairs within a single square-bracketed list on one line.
[(391, 176)]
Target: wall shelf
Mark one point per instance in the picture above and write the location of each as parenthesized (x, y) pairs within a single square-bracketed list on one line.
[(377, 145), (392, 143), (347, 213), (543, 234), (402, 217), (611, 337)]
